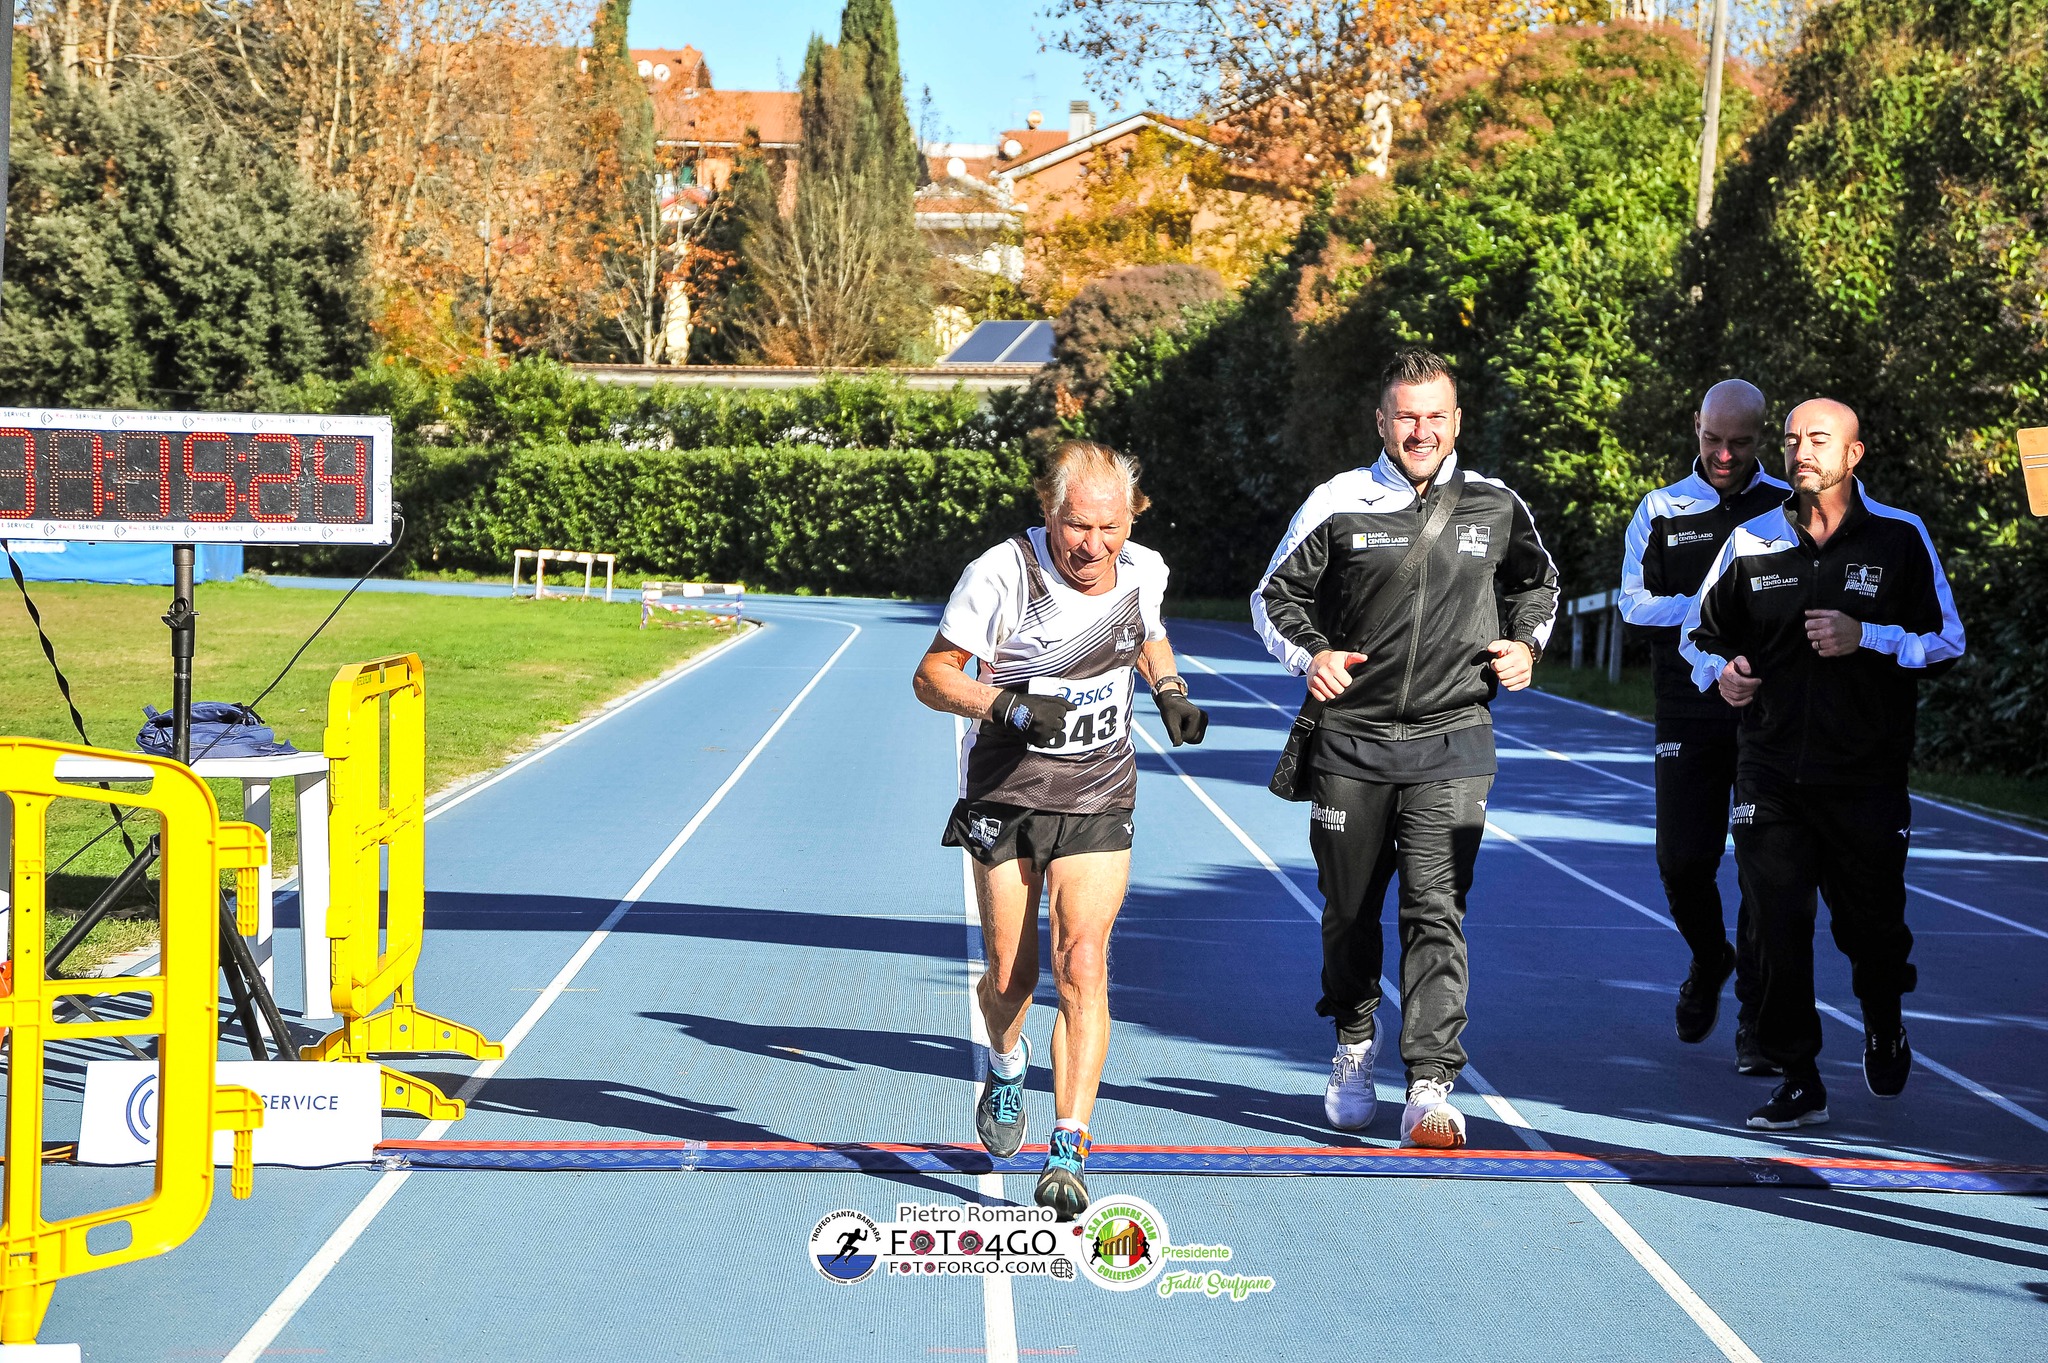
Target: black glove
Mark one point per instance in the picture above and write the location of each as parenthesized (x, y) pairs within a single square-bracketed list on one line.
[(1185, 721), (1041, 719)]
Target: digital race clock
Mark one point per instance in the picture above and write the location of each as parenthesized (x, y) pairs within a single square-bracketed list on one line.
[(196, 477)]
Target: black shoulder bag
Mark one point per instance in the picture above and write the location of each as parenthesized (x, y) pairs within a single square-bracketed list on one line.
[(1290, 778)]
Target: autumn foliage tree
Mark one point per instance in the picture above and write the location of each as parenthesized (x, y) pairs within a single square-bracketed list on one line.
[(1310, 91)]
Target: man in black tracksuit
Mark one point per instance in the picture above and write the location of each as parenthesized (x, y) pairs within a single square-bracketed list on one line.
[(1672, 540), (1818, 620), (1403, 755)]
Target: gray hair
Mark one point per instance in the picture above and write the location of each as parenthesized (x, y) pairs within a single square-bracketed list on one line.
[(1085, 461)]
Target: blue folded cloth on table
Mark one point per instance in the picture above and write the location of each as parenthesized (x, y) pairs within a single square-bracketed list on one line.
[(219, 729)]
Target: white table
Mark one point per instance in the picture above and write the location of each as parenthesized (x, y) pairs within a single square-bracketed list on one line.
[(308, 771)]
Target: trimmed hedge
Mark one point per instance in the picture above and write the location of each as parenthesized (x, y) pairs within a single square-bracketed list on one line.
[(787, 518), (536, 402)]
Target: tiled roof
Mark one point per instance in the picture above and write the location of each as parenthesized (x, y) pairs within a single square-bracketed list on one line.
[(723, 116)]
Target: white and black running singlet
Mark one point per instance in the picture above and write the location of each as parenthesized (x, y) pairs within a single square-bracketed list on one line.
[(1031, 631)]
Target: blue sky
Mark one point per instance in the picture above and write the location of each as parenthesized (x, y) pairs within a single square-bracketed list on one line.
[(980, 57)]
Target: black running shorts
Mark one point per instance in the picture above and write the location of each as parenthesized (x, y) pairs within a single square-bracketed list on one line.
[(995, 833)]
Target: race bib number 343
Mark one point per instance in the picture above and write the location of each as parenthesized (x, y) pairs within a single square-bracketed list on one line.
[(1102, 707)]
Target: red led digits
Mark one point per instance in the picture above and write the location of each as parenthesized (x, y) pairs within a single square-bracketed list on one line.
[(356, 480), (19, 505), (133, 470), (288, 479), (195, 476), (62, 473)]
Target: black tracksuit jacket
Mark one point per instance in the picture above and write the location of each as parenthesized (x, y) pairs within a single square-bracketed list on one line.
[(1673, 539), (1827, 721), (1426, 670)]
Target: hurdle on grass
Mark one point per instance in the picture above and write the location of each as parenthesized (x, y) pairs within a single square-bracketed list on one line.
[(369, 966), (183, 994), (541, 558)]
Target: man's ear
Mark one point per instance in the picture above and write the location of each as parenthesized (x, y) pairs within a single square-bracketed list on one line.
[(1457, 423), (1855, 455), (1379, 419)]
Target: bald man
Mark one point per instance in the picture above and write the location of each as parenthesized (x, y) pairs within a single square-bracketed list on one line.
[(1818, 621), (1672, 540)]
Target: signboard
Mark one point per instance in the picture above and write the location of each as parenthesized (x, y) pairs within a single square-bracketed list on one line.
[(313, 1115), (2034, 462), (194, 477)]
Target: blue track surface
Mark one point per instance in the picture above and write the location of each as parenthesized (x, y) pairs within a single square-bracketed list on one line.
[(796, 970)]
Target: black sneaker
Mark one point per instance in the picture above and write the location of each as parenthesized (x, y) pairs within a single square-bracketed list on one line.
[(1749, 1057), (1699, 998), (1887, 1060), (1794, 1103)]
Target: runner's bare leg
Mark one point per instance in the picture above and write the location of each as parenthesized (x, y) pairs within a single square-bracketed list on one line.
[(1007, 897), (1085, 891)]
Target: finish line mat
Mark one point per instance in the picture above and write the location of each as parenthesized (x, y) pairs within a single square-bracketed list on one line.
[(1711, 1171)]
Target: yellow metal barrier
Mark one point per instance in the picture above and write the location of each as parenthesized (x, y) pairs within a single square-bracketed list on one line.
[(184, 993), (377, 800)]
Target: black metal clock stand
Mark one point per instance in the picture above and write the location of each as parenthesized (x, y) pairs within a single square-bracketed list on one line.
[(245, 982)]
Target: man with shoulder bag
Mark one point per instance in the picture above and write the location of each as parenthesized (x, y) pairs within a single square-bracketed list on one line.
[(1406, 593)]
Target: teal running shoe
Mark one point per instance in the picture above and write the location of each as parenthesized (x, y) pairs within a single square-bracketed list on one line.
[(1061, 1187), (999, 1112)]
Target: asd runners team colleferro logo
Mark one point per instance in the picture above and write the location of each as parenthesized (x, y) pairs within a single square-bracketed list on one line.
[(1123, 1243), (846, 1246)]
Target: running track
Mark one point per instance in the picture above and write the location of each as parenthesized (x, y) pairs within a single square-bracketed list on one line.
[(723, 913)]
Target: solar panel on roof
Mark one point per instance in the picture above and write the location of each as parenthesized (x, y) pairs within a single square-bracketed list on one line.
[(987, 342), (1034, 346)]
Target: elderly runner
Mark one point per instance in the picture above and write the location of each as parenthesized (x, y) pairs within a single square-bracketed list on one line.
[(1057, 619)]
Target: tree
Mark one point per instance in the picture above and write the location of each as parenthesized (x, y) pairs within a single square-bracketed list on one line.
[(152, 263), (1882, 241), (1532, 232), (1160, 199), (1308, 91), (867, 44), (835, 271)]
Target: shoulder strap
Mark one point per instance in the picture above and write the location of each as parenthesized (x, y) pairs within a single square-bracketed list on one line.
[(1035, 589), (1396, 591)]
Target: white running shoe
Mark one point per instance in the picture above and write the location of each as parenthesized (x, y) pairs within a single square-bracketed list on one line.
[(1348, 1100), (1429, 1119)]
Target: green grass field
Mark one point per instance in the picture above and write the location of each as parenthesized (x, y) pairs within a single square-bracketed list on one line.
[(501, 674)]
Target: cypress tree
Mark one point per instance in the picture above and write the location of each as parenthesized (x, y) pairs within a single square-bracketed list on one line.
[(867, 45)]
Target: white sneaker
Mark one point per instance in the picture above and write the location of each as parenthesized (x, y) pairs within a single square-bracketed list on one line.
[(1429, 1119), (1348, 1100)]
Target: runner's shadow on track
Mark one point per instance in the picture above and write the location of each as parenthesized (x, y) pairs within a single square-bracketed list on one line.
[(1887, 1218), (619, 1108), (830, 1048)]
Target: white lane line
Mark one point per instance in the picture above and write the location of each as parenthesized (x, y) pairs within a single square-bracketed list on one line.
[(998, 1307), (301, 1288), (1924, 799), (1962, 1081), (584, 726), (2026, 928), (1704, 1316)]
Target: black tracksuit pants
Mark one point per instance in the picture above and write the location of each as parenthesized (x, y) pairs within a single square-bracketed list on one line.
[(1695, 777), (1848, 842), (1363, 835)]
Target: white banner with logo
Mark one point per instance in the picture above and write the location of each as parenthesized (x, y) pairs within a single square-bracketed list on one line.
[(314, 1115)]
